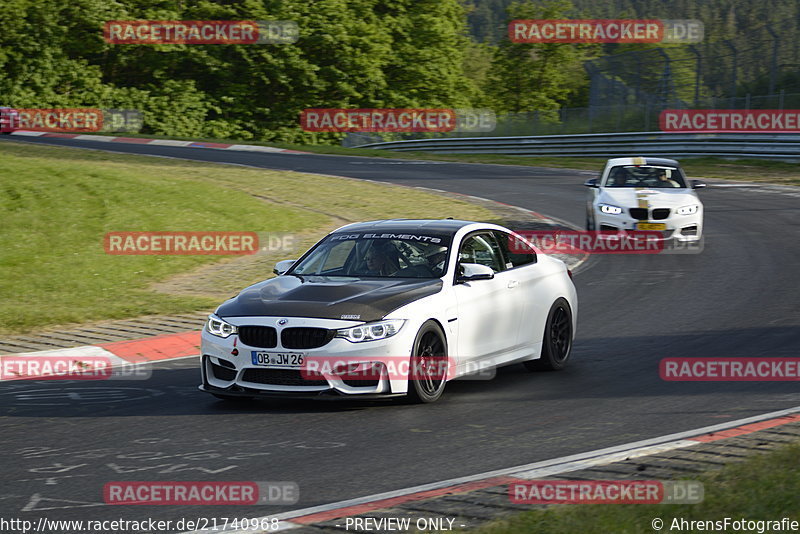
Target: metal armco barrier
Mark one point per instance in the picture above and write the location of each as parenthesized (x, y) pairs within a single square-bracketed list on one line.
[(734, 145)]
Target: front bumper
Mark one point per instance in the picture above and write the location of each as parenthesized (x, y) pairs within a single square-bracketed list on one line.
[(678, 227), (227, 367), (329, 394)]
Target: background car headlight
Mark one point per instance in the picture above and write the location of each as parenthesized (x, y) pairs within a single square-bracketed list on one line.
[(371, 331), (688, 210), (612, 210), (218, 327)]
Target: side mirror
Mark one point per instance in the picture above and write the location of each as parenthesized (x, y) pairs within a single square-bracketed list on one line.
[(283, 266), (698, 184), (591, 182), (474, 271)]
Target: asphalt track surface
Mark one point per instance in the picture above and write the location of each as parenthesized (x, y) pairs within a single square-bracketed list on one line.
[(739, 297)]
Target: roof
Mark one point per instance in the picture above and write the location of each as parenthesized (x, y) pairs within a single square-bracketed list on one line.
[(440, 226), (643, 161)]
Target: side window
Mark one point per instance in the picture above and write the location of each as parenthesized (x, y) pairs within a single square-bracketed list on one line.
[(482, 249), (618, 177), (515, 250)]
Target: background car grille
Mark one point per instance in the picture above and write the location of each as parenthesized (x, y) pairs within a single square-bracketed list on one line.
[(641, 214), (305, 338), (660, 213), (258, 336), (280, 377)]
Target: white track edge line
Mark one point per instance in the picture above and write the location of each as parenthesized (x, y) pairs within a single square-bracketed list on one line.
[(544, 468)]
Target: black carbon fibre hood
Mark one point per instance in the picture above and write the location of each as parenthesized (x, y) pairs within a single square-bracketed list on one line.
[(328, 297)]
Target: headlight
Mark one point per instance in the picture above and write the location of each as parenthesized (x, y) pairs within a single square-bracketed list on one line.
[(612, 210), (688, 210), (220, 328), (371, 331)]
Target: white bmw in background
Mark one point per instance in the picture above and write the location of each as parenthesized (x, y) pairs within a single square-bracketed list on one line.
[(385, 295), (645, 194)]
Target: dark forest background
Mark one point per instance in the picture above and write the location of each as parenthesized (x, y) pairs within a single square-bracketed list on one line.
[(371, 53)]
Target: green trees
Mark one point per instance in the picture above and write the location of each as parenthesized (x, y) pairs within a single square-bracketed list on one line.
[(526, 77), (351, 53)]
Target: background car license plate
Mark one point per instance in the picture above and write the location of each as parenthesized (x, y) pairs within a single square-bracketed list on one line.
[(651, 226), (285, 360)]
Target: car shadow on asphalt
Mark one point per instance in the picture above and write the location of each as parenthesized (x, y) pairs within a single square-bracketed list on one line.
[(604, 368)]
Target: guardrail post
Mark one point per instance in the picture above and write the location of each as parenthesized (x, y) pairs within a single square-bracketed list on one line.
[(733, 72), (773, 67), (697, 70), (665, 83)]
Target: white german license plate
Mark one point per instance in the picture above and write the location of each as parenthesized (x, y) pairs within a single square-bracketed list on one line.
[(280, 360)]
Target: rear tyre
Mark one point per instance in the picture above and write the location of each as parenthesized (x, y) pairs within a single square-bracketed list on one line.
[(428, 372), (557, 342)]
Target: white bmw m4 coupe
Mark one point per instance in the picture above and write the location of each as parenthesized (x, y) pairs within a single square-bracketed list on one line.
[(392, 308)]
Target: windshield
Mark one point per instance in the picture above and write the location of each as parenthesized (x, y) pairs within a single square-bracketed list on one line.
[(650, 176), (384, 255)]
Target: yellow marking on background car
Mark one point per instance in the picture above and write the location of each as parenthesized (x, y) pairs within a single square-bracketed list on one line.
[(639, 161), (641, 198)]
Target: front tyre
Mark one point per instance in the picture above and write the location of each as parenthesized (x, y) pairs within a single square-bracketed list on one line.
[(557, 343), (428, 373)]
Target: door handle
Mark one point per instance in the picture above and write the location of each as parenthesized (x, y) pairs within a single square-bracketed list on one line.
[(512, 284)]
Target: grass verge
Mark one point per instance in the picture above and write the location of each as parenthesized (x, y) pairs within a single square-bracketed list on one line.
[(750, 170), (763, 487), (56, 204)]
